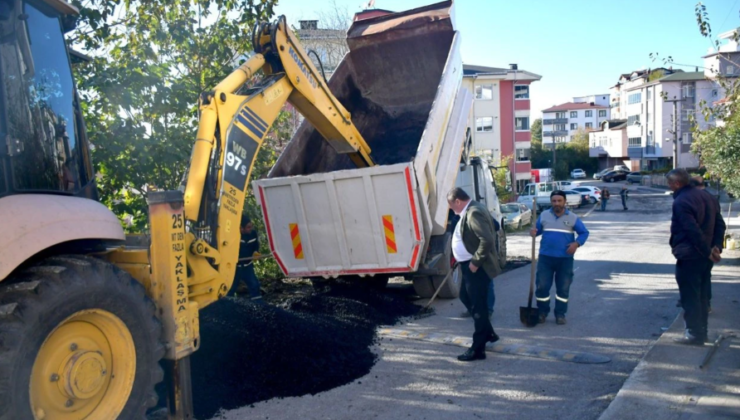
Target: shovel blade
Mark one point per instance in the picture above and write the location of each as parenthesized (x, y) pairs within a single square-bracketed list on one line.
[(529, 316)]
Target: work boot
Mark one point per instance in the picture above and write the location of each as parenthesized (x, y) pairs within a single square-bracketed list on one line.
[(543, 317), (493, 338), (560, 320), (471, 355)]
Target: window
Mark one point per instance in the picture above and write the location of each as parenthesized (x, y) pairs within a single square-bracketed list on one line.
[(687, 138), (686, 114), (484, 124), (714, 93), (730, 70), (559, 127), (560, 139), (522, 155), (574, 114), (589, 114), (688, 91), (574, 126), (635, 142), (545, 187), (602, 113), (633, 120), (589, 125), (650, 140), (36, 73), (522, 123), (560, 115), (634, 98), (521, 92), (649, 94), (484, 92)]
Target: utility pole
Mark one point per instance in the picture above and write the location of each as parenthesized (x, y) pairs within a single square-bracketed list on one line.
[(674, 131)]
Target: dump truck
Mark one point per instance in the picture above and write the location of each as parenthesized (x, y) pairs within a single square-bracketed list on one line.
[(401, 81)]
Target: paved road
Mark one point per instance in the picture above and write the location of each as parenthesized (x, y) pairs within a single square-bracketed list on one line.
[(623, 294)]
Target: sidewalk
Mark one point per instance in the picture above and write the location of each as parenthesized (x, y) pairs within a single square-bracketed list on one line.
[(668, 383)]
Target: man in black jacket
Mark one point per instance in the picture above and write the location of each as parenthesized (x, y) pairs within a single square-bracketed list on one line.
[(694, 232), (248, 248)]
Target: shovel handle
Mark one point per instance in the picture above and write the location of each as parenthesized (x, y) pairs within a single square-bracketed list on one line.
[(534, 246)]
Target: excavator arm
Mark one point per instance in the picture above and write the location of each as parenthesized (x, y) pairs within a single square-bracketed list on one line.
[(194, 232), (234, 122)]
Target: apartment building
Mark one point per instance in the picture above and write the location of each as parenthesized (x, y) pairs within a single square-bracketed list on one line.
[(645, 100), (561, 122), (500, 120)]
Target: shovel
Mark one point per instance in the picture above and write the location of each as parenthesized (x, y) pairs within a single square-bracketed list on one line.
[(527, 314)]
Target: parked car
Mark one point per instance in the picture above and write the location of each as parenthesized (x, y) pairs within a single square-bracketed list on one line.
[(516, 215), (614, 176), (565, 185), (577, 174), (573, 199), (594, 193), (601, 173), (634, 178), (621, 168)]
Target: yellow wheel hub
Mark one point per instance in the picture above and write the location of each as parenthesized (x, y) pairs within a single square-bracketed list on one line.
[(85, 369)]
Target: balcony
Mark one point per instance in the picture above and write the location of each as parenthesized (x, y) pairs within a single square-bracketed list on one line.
[(634, 152), (557, 133), (555, 121)]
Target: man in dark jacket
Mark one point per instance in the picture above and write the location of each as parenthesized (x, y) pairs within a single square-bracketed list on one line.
[(474, 247), (248, 248), (693, 237)]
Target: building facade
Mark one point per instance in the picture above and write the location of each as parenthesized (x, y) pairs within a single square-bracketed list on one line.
[(645, 100), (561, 122), (500, 121)]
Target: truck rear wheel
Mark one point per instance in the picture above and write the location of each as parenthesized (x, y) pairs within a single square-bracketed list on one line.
[(424, 287), (79, 341), (451, 288)]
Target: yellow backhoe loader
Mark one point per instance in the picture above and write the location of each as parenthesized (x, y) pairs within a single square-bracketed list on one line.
[(86, 315)]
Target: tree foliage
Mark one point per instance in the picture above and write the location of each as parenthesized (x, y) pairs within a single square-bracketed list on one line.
[(150, 62)]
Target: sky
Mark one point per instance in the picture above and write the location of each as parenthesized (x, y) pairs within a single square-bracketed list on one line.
[(579, 47)]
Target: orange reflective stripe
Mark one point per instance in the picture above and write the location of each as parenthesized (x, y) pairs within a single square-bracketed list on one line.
[(295, 236), (390, 234)]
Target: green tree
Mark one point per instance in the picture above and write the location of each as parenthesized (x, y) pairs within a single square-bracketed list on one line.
[(536, 130), (718, 146), (139, 93), (502, 178)]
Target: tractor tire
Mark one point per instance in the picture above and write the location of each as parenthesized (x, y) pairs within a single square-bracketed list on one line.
[(451, 289), (424, 287), (78, 340)]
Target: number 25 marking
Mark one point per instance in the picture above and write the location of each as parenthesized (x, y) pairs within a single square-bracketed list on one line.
[(177, 221)]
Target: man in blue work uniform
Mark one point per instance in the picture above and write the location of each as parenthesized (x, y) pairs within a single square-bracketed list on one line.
[(557, 248), (248, 248)]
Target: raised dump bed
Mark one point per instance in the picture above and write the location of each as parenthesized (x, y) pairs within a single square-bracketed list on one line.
[(401, 83)]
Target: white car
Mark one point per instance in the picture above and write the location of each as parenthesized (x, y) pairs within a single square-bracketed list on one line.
[(577, 174), (594, 193)]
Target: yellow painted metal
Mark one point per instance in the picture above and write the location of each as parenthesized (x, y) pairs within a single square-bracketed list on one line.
[(201, 156), (241, 75), (169, 274), (312, 96), (85, 369)]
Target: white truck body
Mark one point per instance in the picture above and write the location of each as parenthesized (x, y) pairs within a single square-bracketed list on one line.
[(539, 191), (324, 218)]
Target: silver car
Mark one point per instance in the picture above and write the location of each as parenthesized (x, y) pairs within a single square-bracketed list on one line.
[(516, 215)]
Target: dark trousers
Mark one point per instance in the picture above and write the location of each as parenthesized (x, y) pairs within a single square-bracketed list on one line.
[(562, 270), (247, 275), (693, 278), (603, 204), (476, 286), (465, 298), (624, 202), (710, 265)]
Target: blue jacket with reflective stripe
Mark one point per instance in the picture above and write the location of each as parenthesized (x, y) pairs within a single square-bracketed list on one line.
[(559, 232)]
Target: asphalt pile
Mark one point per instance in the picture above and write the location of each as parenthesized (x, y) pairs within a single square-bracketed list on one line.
[(297, 346)]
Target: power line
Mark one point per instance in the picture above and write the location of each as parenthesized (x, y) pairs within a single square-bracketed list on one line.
[(728, 15)]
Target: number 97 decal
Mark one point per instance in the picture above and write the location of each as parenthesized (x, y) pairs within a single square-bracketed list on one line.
[(233, 161)]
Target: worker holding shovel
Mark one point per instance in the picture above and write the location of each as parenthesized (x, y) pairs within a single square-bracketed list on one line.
[(248, 252), (558, 227)]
